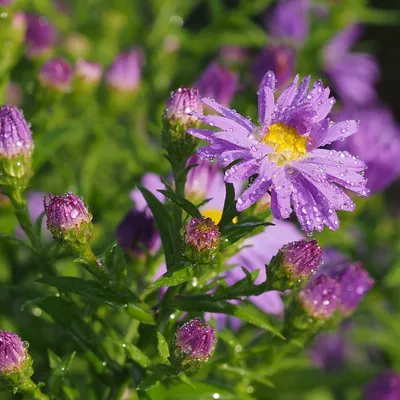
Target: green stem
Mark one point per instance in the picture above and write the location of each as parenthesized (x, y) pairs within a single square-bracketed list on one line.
[(93, 265), (34, 392)]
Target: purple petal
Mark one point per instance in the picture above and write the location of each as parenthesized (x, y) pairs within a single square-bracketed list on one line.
[(266, 103), (253, 193), (223, 123), (317, 134), (242, 171), (229, 156), (234, 137), (288, 95), (302, 91), (204, 134), (341, 129)]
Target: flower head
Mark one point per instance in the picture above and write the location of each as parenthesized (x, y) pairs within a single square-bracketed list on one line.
[(280, 59), (56, 74), (66, 213), (12, 352), (283, 153), (196, 340), (181, 103), (320, 297), (218, 82), (15, 135), (40, 35), (384, 387), (377, 142), (125, 72), (88, 72)]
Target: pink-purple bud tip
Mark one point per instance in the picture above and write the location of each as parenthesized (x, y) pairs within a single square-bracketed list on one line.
[(65, 213), (196, 339), (202, 234), (301, 259), (320, 297), (12, 352), (182, 103), (88, 72), (56, 74), (15, 135)]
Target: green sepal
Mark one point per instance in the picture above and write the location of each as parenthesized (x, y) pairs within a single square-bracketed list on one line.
[(16, 172), (18, 379)]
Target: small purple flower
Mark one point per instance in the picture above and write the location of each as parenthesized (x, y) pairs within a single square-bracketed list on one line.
[(384, 387), (196, 340), (320, 297), (280, 59), (181, 103), (218, 82), (125, 72), (233, 54), (40, 35), (353, 75), (66, 213), (284, 153), (56, 74), (201, 234), (15, 135), (301, 259), (12, 352), (354, 284), (88, 72), (377, 142), (289, 20)]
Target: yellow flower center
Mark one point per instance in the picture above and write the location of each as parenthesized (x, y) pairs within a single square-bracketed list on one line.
[(215, 215), (288, 145)]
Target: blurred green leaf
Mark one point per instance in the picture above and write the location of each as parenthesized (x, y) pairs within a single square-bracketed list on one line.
[(59, 370), (186, 205), (163, 348)]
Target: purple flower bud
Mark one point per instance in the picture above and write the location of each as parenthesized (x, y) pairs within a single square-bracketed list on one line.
[(181, 103), (125, 72), (5, 2), (88, 72), (233, 54), (383, 387), (280, 59), (218, 83), (354, 283), (12, 352), (196, 340), (66, 213), (40, 35), (201, 235), (320, 297), (301, 259), (15, 135), (56, 74)]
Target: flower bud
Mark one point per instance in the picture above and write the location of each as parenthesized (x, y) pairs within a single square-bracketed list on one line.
[(40, 36), (5, 2), (88, 73), (15, 362), (201, 238), (181, 103), (69, 220), (384, 387), (294, 264), (16, 148), (56, 74), (194, 344)]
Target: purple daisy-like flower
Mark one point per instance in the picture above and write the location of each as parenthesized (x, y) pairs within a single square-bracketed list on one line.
[(384, 387), (284, 153)]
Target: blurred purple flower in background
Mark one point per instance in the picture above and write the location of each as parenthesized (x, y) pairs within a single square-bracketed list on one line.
[(88, 72), (5, 2), (218, 82), (40, 37), (56, 74), (384, 387), (233, 54), (377, 143), (125, 72), (353, 75)]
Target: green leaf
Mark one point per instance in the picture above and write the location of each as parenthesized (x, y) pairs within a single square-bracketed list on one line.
[(173, 277), (164, 224), (137, 355), (59, 370), (246, 311), (184, 378), (234, 232), (114, 261), (186, 205), (163, 348), (229, 212)]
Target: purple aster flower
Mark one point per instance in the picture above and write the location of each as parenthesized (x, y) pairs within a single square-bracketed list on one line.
[(40, 35), (125, 72), (283, 152), (201, 235), (56, 74), (12, 352), (280, 59), (218, 82), (233, 54), (196, 340), (66, 213), (289, 20), (88, 72), (181, 103), (15, 135), (320, 297), (377, 142), (384, 387), (353, 75)]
